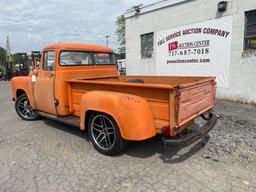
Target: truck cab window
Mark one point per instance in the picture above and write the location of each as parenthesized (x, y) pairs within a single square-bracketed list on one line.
[(75, 58), (103, 58), (81, 58), (49, 58)]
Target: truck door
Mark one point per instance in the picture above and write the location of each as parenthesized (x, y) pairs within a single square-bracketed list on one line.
[(44, 84)]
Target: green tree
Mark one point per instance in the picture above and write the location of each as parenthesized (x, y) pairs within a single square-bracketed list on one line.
[(16, 58), (120, 32), (2, 55)]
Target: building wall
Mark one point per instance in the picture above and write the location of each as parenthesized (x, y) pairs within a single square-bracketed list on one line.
[(242, 85)]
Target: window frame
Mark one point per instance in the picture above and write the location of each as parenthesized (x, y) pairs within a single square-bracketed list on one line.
[(93, 59), (54, 63), (142, 51), (246, 37)]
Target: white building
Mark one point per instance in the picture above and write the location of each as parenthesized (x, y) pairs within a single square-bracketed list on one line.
[(196, 37)]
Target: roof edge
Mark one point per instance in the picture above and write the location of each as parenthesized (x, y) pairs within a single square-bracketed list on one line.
[(153, 7), (78, 46)]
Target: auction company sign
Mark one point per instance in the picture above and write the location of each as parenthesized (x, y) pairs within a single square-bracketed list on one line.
[(199, 49)]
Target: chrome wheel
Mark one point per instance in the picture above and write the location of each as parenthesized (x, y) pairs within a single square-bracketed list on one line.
[(103, 132), (24, 109)]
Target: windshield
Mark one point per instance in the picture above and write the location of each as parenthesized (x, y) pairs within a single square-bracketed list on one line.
[(74, 58)]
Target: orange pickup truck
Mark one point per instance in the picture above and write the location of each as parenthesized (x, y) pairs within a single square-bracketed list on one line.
[(78, 84)]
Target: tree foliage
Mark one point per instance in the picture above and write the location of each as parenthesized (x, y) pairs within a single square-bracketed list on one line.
[(120, 32), (16, 58), (2, 55)]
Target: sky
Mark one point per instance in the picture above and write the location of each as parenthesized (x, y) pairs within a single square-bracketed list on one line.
[(33, 24)]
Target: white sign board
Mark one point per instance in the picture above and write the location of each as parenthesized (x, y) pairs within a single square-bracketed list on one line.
[(199, 49)]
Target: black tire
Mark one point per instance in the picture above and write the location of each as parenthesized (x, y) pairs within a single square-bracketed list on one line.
[(24, 109), (135, 81), (105, 135)]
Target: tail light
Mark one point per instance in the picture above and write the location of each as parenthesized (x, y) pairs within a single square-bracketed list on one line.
[(166, 131)]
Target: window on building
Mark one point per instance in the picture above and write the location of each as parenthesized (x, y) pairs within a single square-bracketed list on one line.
[(147, 45), (250, 30)]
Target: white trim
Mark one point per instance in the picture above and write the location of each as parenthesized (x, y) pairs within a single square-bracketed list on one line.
[(152, 7)]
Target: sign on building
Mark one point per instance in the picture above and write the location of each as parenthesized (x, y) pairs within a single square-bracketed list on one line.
[(199, 49)]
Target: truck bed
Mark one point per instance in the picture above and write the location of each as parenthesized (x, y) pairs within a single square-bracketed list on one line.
[(174, 101)]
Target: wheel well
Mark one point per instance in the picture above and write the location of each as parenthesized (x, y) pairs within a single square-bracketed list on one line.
[(20, 92), (87, 117), (91, 112)]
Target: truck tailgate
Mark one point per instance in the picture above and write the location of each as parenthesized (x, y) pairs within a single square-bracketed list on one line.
[(195, 99)]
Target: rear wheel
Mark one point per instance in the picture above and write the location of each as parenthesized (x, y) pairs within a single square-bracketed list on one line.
[(105, 134), (24, 109)]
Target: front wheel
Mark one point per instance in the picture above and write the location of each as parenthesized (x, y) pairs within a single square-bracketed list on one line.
[(24, 109), (105, 134)]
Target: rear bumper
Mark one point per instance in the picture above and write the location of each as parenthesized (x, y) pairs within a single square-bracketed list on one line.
[(194, 135)]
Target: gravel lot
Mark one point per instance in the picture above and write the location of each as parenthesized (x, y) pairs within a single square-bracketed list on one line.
[(49, 156)]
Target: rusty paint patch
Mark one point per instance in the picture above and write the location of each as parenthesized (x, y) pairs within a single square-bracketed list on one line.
[(129, 98)]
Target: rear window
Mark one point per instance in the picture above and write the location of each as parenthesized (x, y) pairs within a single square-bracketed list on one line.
[(102, 58), (79, 58)]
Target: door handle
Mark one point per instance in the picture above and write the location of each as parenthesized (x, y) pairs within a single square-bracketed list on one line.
[(51, 75)]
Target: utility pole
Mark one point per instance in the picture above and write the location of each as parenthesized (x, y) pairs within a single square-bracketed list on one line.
[(107, 37), (8, 50), (7, 66), (8, 53)]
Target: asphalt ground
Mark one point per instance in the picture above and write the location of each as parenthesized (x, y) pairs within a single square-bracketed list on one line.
[(48, 156)]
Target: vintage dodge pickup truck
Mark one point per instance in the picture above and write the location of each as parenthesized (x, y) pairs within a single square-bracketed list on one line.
[(78, 84)]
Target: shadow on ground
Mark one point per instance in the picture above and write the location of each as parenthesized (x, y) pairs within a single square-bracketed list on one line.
[(142, 149), (171, 155)]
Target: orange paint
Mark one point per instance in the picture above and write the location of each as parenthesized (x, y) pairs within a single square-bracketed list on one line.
[(139, 109)]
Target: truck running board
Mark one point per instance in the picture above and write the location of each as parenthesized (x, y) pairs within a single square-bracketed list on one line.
[(68, 120)]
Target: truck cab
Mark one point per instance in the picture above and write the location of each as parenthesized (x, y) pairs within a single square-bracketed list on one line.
[(60, 62)]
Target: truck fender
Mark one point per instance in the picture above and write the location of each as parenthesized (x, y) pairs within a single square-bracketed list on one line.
[(132, 113), (22, 84)]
